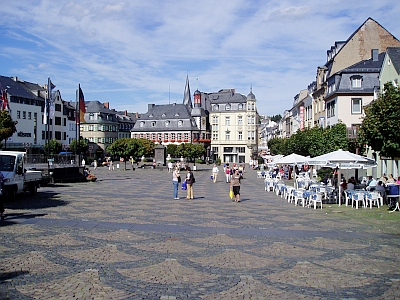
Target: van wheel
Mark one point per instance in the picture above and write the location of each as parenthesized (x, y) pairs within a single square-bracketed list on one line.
[(33, 189), (12, 193)]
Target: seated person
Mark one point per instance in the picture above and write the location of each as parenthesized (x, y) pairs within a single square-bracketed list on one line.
[(371, 184), (350, 185), (380, 188), (390, 180), (344, 184)]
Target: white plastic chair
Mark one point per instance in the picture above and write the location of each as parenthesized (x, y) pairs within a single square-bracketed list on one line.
[(314, 199), (357, 198), (299, 197), (373, 198)]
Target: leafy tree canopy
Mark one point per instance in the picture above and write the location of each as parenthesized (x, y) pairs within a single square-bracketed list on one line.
[(380, 126), (81, 146), (7, 125), (53, 147), (276, 118)]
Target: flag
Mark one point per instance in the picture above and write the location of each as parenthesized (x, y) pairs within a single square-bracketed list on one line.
[(80, 107), (50, 87), (4, 101)]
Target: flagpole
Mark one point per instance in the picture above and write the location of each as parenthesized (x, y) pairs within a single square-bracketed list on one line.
[(48, 123), (77, 122)]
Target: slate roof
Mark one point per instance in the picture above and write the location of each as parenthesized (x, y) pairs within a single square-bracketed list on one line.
[(17, 89), (394, 54), (157, 115)]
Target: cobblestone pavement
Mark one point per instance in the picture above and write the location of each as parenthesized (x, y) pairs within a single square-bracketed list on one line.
[(125, 237)]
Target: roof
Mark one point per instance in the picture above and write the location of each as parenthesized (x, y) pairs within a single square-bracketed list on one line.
[(165, 117), (394, 54), (226, 96), (15, 88)]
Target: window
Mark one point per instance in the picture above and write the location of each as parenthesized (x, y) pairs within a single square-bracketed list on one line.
[(64, 121), (330, 109), (153, 124), (186, 135), (240, 135), (29, 115), (240, 120), (228, 107), (57, 121), (18, 114), (240, 107), (91, 116), (165, 136), (153, 136), (180, 123), (241, 149), (227, 121), (227, 135), (356, 105), (356, 81), (159, 136), (172, 136), (215, 135), (57, 107), (91, 127), (179, 136), (166, 123), (215, 107), (142, 124), (57, 135)]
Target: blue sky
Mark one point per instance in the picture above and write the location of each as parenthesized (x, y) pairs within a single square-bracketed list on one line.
[(132, 53)]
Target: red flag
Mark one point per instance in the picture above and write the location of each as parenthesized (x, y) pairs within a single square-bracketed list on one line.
[(4, 99), (81, 109)]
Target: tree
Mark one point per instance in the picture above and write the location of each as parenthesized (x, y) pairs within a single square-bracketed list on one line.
[(53, 147), (171, 149), (380, 126), (276, 118), (7, 126), (127, 147), (81, 146)]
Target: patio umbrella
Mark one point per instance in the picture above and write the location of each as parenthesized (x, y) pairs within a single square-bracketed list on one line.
[(342, 160), (292, 159)]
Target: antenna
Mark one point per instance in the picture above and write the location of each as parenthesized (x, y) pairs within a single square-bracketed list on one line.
[(169, 94), (197, 83)]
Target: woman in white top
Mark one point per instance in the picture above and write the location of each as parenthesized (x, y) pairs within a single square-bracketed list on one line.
[(215, 173), (176, 178)]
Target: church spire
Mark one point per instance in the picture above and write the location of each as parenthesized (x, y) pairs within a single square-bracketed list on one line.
[(187, 98)]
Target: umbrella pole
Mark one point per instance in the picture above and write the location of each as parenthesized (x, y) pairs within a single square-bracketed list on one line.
[(339, 183)]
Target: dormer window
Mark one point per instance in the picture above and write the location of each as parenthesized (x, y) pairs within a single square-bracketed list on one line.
[(141, 124), (240, 107), (176, 115), (151, 115), (163, 115), (215, 107), (228, 107), (356, 82), (180, 123), (153, 124), (166, 123)]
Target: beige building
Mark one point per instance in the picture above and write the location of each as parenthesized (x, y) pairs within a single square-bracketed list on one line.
[(233, 118)]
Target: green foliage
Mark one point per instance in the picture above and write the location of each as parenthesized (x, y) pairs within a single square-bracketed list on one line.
[(127, 147), (311, 141), (53, 147), (171, 149), (380, 126), (276, 118), (218, 161), (79, 147), (189, 150), (7, 125)]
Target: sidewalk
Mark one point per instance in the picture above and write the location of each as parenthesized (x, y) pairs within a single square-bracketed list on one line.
[(125, 237)]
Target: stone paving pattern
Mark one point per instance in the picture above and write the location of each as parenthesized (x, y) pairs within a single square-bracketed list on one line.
[(125, 237)]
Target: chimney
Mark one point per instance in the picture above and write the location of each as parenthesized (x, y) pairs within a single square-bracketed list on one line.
[(107, 105), (137, 115), (150, 106), (374, 54), (125, 113)]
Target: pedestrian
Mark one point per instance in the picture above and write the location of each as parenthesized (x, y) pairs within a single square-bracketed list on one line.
[(176, 179), (215, 173), (2, 195), (95, 164), (235, 185), (110, 165), (170, 165), (83, 162), (189, 183), (228, 174)]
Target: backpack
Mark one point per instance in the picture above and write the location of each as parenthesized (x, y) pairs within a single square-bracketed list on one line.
[(193, 179)]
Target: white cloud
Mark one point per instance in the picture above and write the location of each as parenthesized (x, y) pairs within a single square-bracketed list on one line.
[(133, 52)]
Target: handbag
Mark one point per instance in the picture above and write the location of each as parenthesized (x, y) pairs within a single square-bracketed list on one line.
[(179, 179), (231, 194), (184, 185)]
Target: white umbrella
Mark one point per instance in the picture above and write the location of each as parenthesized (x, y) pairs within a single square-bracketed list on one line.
[(342, 160), (292, 159)]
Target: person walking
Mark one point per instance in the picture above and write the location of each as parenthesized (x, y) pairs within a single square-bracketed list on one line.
[(235, 185), (189, 183), (215, 173), (2, 196), (176, 179), (95, 164), (228, 174)]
